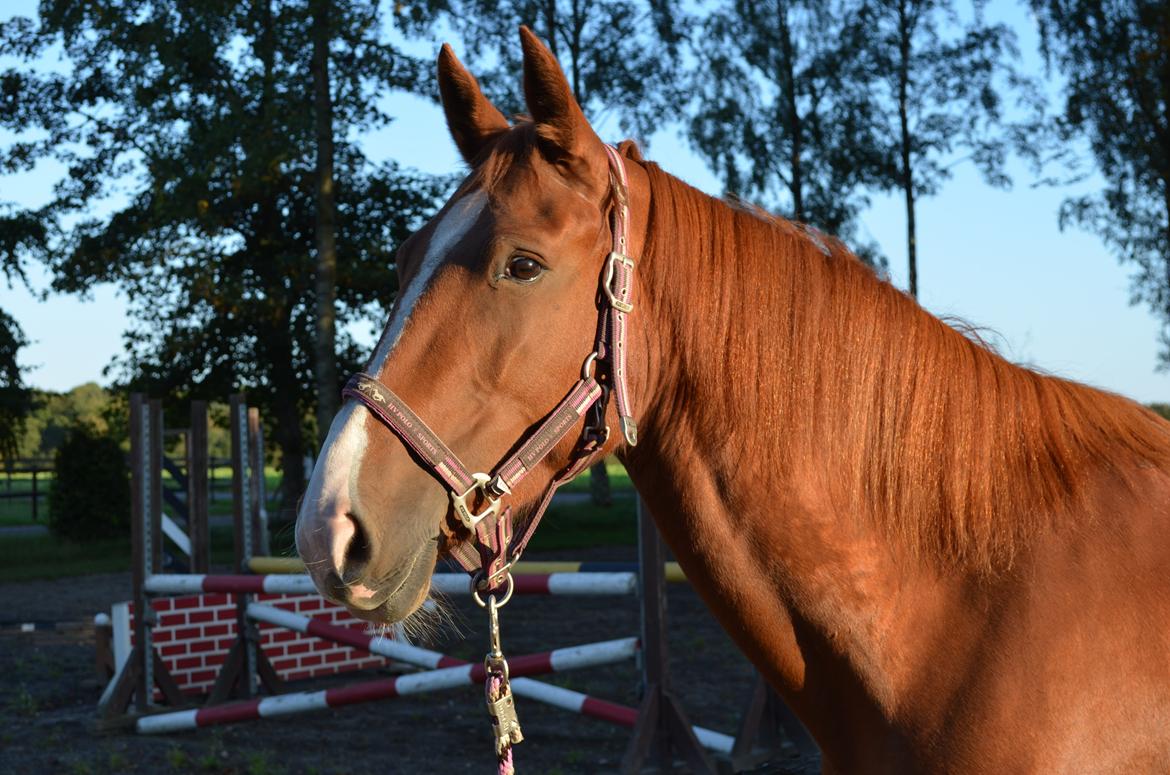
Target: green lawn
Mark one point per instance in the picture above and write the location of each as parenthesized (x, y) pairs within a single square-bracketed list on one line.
[(575, 526), (18, 511), (618, 478), (39, 557)]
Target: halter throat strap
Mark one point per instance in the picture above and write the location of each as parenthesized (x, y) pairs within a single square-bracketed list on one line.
[(493, 549)]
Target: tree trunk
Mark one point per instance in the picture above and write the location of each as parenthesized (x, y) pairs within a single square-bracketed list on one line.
[(599, 487), (791, 114), (286, 409), (904, 122), (325, 342)]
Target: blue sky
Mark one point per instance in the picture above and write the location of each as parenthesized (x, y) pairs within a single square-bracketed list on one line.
[(1058, 301)]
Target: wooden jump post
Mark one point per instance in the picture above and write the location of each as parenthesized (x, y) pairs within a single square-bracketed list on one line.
[(662, 733), (198, 496), (246, 668), (144, 670)]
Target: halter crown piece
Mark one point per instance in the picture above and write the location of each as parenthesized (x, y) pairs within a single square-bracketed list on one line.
[(493, 550)]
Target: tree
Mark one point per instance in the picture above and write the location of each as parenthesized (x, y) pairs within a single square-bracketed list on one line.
[(189, 137), (89, 498), (781, 112), (1115, 59), (325, 343), (54, 414), (942, 96), (15, 398), (619, 55)]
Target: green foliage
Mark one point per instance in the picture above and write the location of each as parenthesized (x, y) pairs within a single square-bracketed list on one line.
[(186, 134), (15, 398), (620, 56), (90, 496), (1115, 59), (939, 88), (56, 413), (1161, 409), (808, 105), (782, 112)]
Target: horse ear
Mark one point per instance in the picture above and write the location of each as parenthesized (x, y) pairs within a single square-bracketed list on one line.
[(564, 131), (472, 120), (631, 150)]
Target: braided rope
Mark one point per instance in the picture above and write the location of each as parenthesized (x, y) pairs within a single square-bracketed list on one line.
[(494, 688)]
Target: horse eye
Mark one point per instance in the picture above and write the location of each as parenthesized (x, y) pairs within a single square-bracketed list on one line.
[(524, 269)]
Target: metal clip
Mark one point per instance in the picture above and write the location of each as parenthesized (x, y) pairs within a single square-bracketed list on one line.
[(463, 511), (505, 722), (495, 652), (500, 703)]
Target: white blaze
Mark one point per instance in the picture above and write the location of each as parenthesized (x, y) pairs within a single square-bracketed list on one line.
[(450, 230), (332, 487)]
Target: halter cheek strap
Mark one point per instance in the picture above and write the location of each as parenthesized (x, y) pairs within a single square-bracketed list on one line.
[(618, 286), (494, 549)]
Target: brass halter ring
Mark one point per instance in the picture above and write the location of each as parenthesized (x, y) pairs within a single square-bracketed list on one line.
[(509, 588)]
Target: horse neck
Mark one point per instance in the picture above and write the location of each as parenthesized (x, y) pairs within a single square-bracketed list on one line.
[(816, 597)]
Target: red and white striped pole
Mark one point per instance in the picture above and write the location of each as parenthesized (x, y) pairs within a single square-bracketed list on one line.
[(416, 683), (621, 583), (556, 696)]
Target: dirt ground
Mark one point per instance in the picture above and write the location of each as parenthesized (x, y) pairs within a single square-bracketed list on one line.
[(49, 689)]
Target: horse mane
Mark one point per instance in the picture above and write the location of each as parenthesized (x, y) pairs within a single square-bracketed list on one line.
[(957, 454)]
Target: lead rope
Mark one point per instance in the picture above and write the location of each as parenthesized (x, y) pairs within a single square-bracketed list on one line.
[(501, 704)]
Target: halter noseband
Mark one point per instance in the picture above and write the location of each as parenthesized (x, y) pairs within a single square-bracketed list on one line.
[(494, 550)]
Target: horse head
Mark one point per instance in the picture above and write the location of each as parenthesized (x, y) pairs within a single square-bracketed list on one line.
[(497, 314)]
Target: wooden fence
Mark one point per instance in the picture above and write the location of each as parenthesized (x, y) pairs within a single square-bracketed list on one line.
[(40, 473)]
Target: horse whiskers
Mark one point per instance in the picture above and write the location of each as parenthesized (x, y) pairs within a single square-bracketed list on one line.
[(434, 617)]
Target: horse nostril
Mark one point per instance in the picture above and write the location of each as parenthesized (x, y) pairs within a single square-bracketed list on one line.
[(357, 553)]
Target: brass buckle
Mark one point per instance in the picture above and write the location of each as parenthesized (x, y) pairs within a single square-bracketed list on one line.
[(463, 511), (618, 304)]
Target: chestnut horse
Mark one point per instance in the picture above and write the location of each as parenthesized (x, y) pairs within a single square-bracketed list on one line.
[(944, 563)]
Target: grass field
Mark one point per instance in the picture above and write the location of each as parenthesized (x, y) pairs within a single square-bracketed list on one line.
[(18, 510), (579, 525)]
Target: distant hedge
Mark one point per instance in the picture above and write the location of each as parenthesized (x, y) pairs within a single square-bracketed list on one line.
[(90, 496)]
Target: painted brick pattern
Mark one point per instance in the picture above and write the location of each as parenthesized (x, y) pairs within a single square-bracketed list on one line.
[(193, 635)]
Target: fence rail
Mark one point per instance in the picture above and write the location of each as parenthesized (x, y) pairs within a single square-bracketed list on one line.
[(36, 468)]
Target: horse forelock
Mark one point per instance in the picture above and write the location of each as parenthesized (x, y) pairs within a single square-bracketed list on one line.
[(803, 354)]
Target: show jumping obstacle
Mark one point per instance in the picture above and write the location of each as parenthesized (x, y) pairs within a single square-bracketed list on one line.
[(265, 565), (454, 675), (445, 583), (193, 635)]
